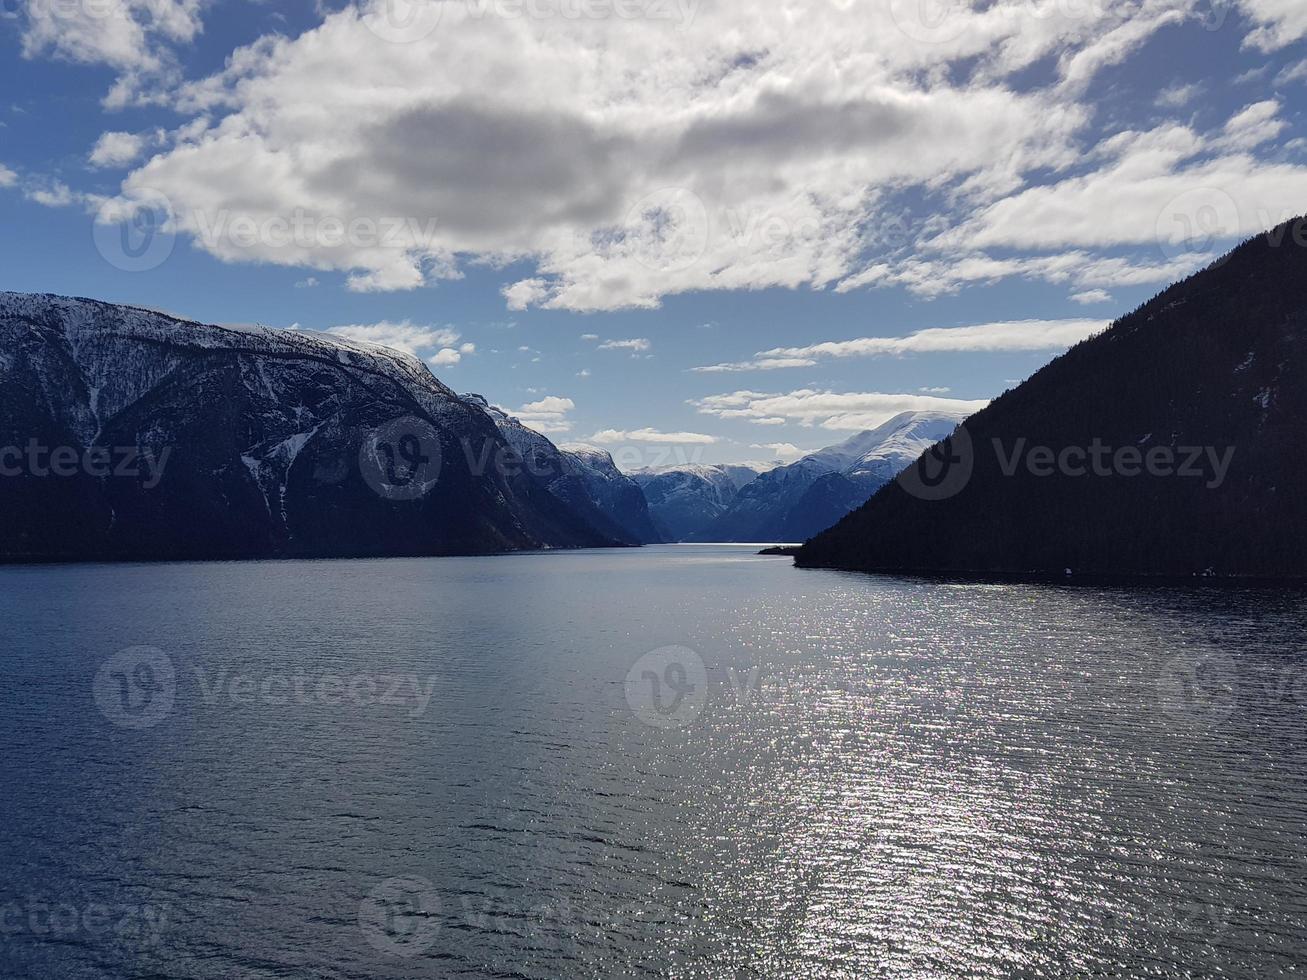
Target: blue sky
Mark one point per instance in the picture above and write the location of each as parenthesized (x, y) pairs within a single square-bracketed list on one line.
[(725, 231)]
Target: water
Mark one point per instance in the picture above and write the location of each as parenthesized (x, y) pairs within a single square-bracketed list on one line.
[(402, 769)]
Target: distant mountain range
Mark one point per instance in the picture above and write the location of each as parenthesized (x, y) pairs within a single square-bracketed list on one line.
[(128, 434), (686, 499), (1169, 445), (793, 502), (584, 477)]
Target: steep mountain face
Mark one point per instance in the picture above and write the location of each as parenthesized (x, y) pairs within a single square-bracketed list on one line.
[(584, 477), (686, 499), (128, 434), (794, 502), (1169, 445)]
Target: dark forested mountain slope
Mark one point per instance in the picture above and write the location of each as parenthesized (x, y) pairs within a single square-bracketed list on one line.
[(1170, 445), (125, 433)]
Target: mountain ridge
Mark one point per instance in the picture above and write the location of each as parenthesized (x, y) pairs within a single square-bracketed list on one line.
[(1198, 397)]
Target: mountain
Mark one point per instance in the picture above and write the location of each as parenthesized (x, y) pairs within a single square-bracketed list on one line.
[(130, 434), (1169, 445), (584, 477), (794, 502), (685, 499)]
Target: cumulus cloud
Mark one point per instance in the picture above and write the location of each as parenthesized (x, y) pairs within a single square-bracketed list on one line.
[(652, 436), (1281, 23), (627, 159), (1090, 296), (7, 177), (135, 37), (827, 409), (1018, 335), (637, 345), (116, 149), (547, 415), (786, 452), (406, 336)]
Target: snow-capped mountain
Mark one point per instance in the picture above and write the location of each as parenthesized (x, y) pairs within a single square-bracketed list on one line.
[(154, 437), (794, 502), (585, 477), (686, 499)]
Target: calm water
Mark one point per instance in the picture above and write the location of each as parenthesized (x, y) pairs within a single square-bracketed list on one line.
[(495, 768)]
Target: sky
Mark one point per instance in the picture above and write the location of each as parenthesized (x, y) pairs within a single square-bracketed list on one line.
[(683, 230)]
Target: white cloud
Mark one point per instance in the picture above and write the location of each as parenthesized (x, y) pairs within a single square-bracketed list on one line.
[(53, 194), (131, 36), (653, 436), (403, 336), (547, 415), (638, 344), (729, 146), (1017, 335), (1181, 195), (749, 145), (1282, 22), (1256, 124), (445, 357), (589, 336), (549, 404), (7, 177), (1091, 296), (1178, 95), (116, 149), (786, 452), (830, 410)]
